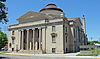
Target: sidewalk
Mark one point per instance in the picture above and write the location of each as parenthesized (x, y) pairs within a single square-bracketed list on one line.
[(68, 54), (51, 55), (98, 57)]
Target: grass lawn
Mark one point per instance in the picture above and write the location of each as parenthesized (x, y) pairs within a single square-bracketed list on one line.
[(87, 55), (97, 50), (4, 52)]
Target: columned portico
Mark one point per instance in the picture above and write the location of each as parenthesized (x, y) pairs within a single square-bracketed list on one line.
[(30, 39)]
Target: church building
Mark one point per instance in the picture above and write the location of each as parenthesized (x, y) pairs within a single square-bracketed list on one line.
[(48, 31)]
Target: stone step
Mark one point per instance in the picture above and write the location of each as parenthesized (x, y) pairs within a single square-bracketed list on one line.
[(31, 52)]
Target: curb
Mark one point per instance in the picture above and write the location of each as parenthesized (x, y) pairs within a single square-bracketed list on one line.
[(17, 55)]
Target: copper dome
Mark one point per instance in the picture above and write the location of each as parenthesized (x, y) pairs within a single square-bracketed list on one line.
[(51, 7)]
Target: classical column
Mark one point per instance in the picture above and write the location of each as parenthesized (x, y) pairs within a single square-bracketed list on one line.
[(40, 39), (19, 37), (33, 38), (22, 39), (27, 39), (30, 45)]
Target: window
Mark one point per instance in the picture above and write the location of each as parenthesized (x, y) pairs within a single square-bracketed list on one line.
[(13, 40), (12, 49), (53, 28), (53, 50), (9, 45), (66, 49), (12, 32), (66, 39), (53, 39), (66, 29)]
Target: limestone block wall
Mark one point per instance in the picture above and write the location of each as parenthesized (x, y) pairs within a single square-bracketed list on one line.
[(59, 39), (9, 41), (16, 40)]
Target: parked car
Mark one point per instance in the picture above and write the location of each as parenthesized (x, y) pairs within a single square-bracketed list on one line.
[(4, 49)]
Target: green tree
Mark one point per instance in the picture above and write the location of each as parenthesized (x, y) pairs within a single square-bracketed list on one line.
[(92, 42), (3, 39), (3, 12)]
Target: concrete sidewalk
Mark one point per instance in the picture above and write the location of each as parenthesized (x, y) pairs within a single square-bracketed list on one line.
[(68, 54), (52, 55)]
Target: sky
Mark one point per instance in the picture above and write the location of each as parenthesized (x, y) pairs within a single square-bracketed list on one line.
[(72, 9)]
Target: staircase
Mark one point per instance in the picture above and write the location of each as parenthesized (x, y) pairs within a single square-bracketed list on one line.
[(30, 52)]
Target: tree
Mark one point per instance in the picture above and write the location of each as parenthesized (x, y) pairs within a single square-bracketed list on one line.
[(92, 42), (3, 39), (3, 13)]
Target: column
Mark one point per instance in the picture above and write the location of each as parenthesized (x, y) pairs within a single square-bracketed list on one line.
[(27, 39), (40, 39), (30, 46), (36, 45), (33, 38), (22, 39), (19, 37)]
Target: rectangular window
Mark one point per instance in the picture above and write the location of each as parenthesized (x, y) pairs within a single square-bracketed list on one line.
[(12, 32), (53, 50), (53, 28), (66, 29), (53, 39), (66, 39), (13, 38), (9, 45)]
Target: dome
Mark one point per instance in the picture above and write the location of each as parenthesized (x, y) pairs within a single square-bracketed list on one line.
[(51, 7)]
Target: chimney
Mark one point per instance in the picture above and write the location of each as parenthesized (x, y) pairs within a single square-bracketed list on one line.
[(84, 28)]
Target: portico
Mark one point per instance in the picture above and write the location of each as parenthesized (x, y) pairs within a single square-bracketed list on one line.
[(30, 39)]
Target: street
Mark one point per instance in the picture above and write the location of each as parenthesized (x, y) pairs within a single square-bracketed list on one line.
[(37, 57)]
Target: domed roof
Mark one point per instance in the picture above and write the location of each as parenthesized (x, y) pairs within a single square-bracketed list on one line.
[(51, 7)]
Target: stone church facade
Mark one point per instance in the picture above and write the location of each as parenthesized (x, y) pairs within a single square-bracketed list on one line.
[(47, 31)]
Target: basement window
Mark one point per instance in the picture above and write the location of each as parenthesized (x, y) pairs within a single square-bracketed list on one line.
[(53, 50)]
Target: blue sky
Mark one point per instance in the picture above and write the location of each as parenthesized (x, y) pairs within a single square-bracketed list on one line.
[(72, 9)]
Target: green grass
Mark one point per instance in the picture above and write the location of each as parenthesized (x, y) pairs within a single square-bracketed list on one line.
[(4, 52), (92, 50), (87, 55)]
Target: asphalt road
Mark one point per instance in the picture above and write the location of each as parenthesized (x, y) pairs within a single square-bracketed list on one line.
[(36, 57)]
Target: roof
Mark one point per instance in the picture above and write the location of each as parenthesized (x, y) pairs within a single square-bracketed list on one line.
[(51, 7), (33, 15), (75, 19)]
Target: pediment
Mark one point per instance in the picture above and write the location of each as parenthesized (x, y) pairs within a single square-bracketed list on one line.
[(32, 15)]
